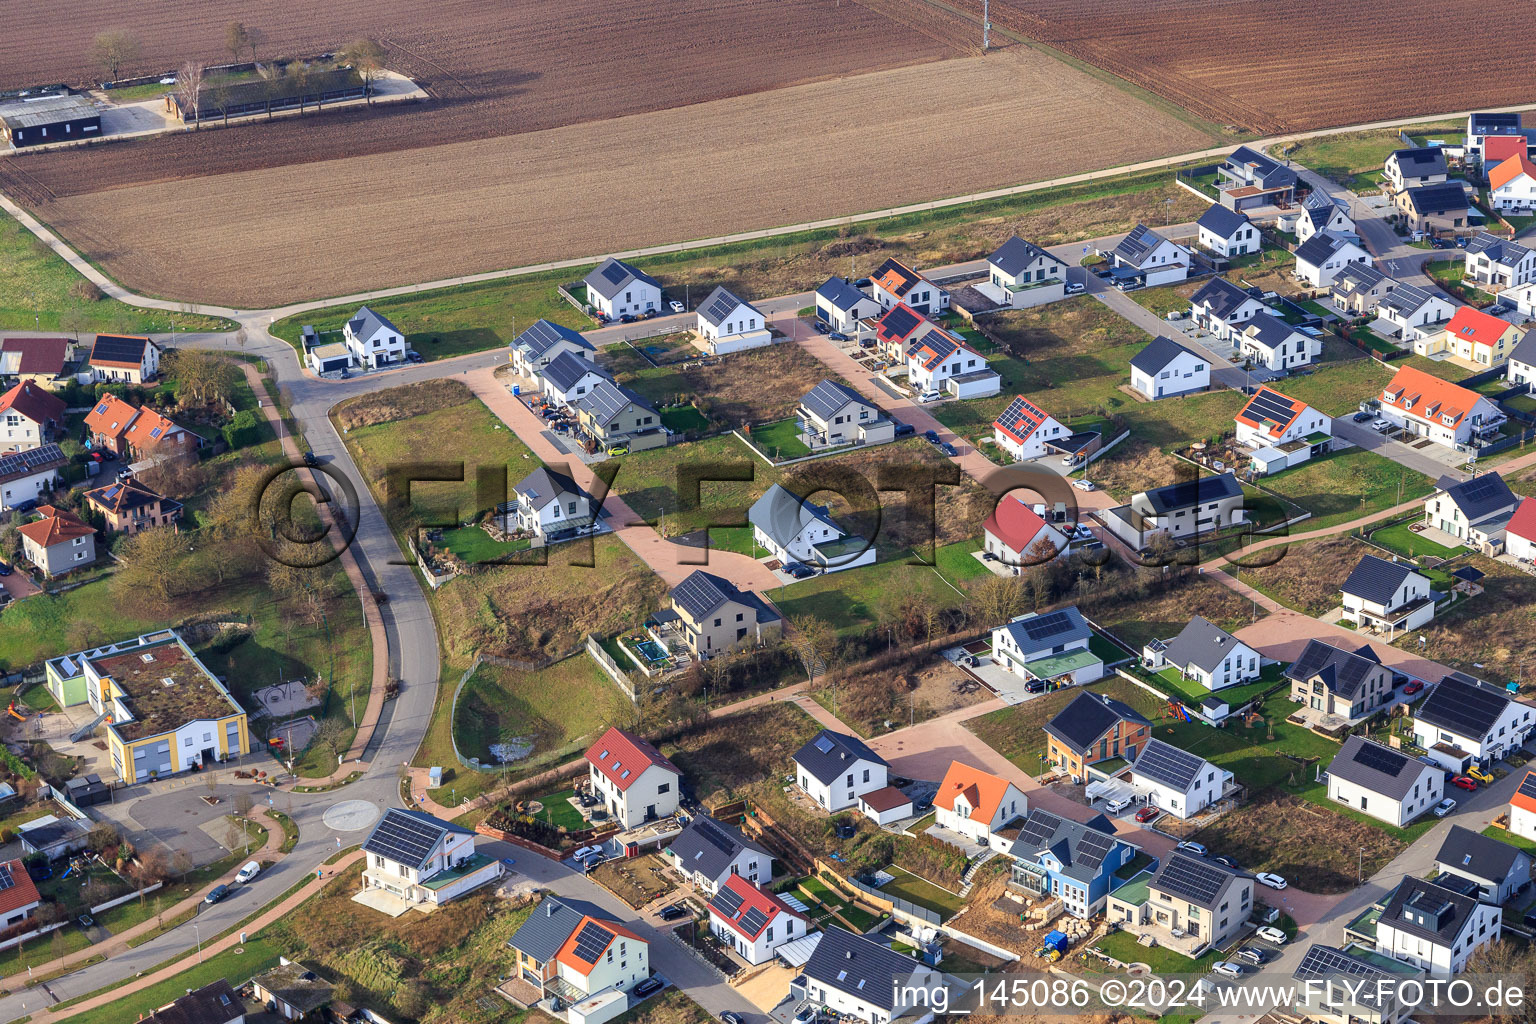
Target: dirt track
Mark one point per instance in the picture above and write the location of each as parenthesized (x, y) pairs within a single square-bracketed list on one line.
[(754, 161)]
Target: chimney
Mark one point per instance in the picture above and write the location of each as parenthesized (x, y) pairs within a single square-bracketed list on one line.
[(848, 954)]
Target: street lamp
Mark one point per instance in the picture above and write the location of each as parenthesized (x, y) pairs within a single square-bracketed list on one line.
[(197, 932)]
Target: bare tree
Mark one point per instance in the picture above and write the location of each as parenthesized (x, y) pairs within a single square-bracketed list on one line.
[(151, 565), (243, 804), (219, 90), (236, 39), (255, 37), (73, 320), (115, 48), (189, 90), (298, 74), (813, 642), (331, 739), (367, 59)]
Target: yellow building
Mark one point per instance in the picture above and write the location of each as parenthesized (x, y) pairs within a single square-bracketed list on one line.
[(164, 711)]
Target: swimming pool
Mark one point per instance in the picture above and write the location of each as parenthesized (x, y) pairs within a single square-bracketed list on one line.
[(651, 650)]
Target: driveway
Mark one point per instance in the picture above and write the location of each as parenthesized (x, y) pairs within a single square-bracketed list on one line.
[(18, 585)]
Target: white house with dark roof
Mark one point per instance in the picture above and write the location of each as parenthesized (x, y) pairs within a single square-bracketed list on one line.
[(1435, 928), (1199, 900), (1206, 653), (1025, 431), (1323, 214), (865, 980), (544, 342), (753, 921), (1522, 359), (1165, 368), (1249, 178), (1498, 869), (632, 779), (1497, 263), (29, 475), (1013, 532), (1021, 274), (1320, 258), (1412, 168), (833, 414), (1387, 784), (1223, 308), (1387, 597), (835, 770), (1477, 511), (128, 358), (1226, 232), (1270, 342), (894, 283), (728, 323), (1189, 508), (795, 530), (372, 340), (1411, 312), (1463, 720), (1176, 781), (422, 859), (1051, 646), (1148, 256), (709, 852), (616, 288), (550, 507), (569, 378), (841, 306)]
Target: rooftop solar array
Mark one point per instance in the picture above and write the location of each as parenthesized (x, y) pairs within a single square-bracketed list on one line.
[(1021, 411), (591, 941), (723, 304), (1038, 828), (1168, 764), (6, 881), (1047, 625), (824, 744), (1196, 880), (700, 593), (753, 920), (29, 461), (1269, 406), (1093, 847), (1463, 707), (403, 839), (714, 835), (1528, 785), (899, 322), (728, 900), (118, 350), (1381, 759), (615, 272)]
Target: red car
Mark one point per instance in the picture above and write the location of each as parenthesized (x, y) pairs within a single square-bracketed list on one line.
[(1462, 782), (1147, 813), (1413, 687)]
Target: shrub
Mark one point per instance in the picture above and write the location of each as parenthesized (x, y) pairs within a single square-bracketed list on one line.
[(241, 431), (85, 291)]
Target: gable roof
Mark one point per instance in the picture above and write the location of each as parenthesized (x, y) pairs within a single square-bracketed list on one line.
[(1497, 250), (1428, 397), (1377, 767), (122, 496), (1172, 766), (37, 404), (1525, 349), (544, 335), (1081, 848), (898, 323), (1445, 911), (1268, 330), (545, 485), (612, 276), (622, 757), (551, 923), (1194, 879), (110, 417), (747, 908), (1270, 411), (1498, 148), (1221, 297), (1139, 244), (721, 303), (828, 398), (366, 322), (1482, 497), (830, 754), (1463, 705), (858, 966), (119, 350), (982, 790), (702, 592), (841, 294), (1014, 523), (56, 527), (1523, 522), (214, 1003), (42, 459), (1508, 170), (19, 890), (1407, 299), (1044, 630), (1340, 671), (1476, 326), (1021, 419), (1263, 165), (567, 368), (1357, 277), (149, 428), (1222, 222), (935, 347), (38, 355), (1158, 353), (1201, 643), (1090, 715), (607, 399), (1185, 493), (586, 945), (1320, 207), (1320, 248), (1442, 197), (1375, 579), (1525, 796), (1420, 161), (410, 837), (1477, 856), (1015, 254), (783, 515), (896, 277), (710, 847)]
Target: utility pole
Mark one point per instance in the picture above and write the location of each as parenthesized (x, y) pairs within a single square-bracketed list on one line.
[(986, 24)]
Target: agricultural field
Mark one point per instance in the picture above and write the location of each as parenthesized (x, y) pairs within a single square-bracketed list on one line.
[(505, 199), (1224, 61)]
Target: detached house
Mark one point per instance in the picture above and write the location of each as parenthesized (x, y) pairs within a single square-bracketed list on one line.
[(543, 343), (1226, 232), (1223, 308), (1071, 860), (977, 804), (1094, 728), (616, 288), (124, 358), (1021, 274), (1512, 185), (1352, 986), (1206, 653), (899, 330), (1424, 405), (1484, 126), (833, 414), (1498, 869), (1272, 343), (1013, 531), (58, 542), (423, 859), (1249, 178), (38, 361), (859, 978), (1320, 258), (632, 778), (27, 476), (1435, 928), (1435, 208), (716, 618), (569, 378), (1496, 263), (796, 530), (895, 282), (1359, 288), (1333, 681), (1190, 508), (1414, 168), (710, 853), (841, 306), (1414, 312), (19, 898), (1203, 899), (1387, 597), (753, 921), (30, 416), (1522, 360), (1463, 720), (128, 507), (727, 323), (1050, 646), (372, 340), (1522, 808), (116, 426), (1477, 511), (1178, 782), (1025, 431), (941, 362), (1282, 431), (835, 770), (1165, 368), (1323, 214), (575, 950), (1520, 534), (1148, 257), (616, 417), (1472, 336), (550, 507), (1387, 784)]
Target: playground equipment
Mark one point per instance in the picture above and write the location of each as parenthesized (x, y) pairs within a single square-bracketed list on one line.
[(11, 710), (1178, 711)]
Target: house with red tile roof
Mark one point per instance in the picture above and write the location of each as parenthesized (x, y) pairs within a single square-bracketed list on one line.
[(1426, 406), (136, 433), (39, 360), (601, 958), (1520, 534), (942, 363), (895, 282), (1512, 185), (1498, 148), (19, 898), (1014, 529), (898, 329), (976, 803), (632, 778), (753, 921), (30, 416), (127, 506), (1522, 808), (1282, 431), (1472, 336), (58, 542), (1024, 430)]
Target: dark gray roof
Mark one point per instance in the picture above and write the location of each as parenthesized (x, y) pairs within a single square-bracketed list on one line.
[(409, 837), (1428, 911), (1493, 124), (1477, 856), (1421, 161), (1266, 169), (1200, 881), (1168, 764), (1377, 767), (1463, 705), (613, 276), (1016, 254), (1499, 250), (215, 1003), (1187, 493), (1268, 330), (1048, 630), (858, 966), (1408, 298), (43, 458), (365, 322), (1320, 207), (829, 754), (829, 397), (1138, 245), (1201, 643), (545, 930), (1342, 672), (1221, 221), (607, 399), (1222, 297), (1319, 248), (710, 847), (702, 592), (1360, 981), (1525, 349), (1082, 848), (1481, 497), (782, 515), (544, 335), (1357, 277), (544, 485), (1375, 579), (1160, 351), (841, 293), (1442, 197), (1090, 715), (567, 368), (721, 303)]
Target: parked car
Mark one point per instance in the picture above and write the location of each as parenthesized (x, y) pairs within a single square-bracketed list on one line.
[(628, 318), (1361, 417), (672, 912), (839, 336), (1148, 813), (415, 357), (1083, 485), (86, 920), (1081, 532), (1130, 284), (5, 570), (1193, 849), (1380, 424), (730, 1017), (799, 570), (822, 327), (948, 449), (1445, 807), (1249, 956), (1270, 879), (1035, 686), (1118, 806), (1226, 861), (1070, 459), (988, 556), (216, 894), (618, 449), (1480, 775), (676, 307), (1269, 933), (1462, 782), (905, 430), (931, 436), (248, 873), (1413, 687), (1227, 969), (648, 987), (1075, 287), (310, 459), (586, 851), (930, 395)]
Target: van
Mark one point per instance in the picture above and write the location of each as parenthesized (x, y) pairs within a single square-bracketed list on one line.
[(248, 873)]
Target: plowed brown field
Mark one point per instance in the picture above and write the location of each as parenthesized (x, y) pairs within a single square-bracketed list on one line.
[(1307, 64), (258, 238)]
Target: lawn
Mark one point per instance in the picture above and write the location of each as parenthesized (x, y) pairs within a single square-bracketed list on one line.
[(1347, 485), (535, 717), (1405, 542), (40, 292), (557, 809), (473, 544), (1235, 696), (648, 482), (779, 440), (1122, 945), (957, 562), (1451, 274), (853, 600), (1337, 388), (758, 386), (256, 956), (684, 419), (924, 893), (1347, 155)]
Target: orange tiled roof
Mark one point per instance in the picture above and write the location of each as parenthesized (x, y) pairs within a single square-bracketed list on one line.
[(110, 417), (1508, 170), (1518, 798), (55, 527), (568, 955), (982, 790), (1428, 397), (1256, 412)]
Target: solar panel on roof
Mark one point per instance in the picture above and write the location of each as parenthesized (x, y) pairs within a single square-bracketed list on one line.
[(1093, 847), (714, 835), (723, 304), (1038, 828), (754, 920), (1528, 785), (6, 881), (1463, 707), (824, 744), (1381, 759), (403, 839), (1168, 764), (1269, 405), (1047, 624), (1196, 880), (591, 941), (729, 901), (22, 462), (615, 272), (900, 321), (1322, 960)]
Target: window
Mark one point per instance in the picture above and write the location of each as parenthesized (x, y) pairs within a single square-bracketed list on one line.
[(665, 787)]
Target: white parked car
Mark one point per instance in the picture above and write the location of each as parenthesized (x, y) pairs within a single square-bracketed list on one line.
[(1269, 933), (1270, 879), (1227, 969), (1193, 849), (675, 306), (1075, 287), (585, 852), (1083, 485), (1380, 424), (1118, 806), (1445, 807), (248, 873), (929, 396)]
